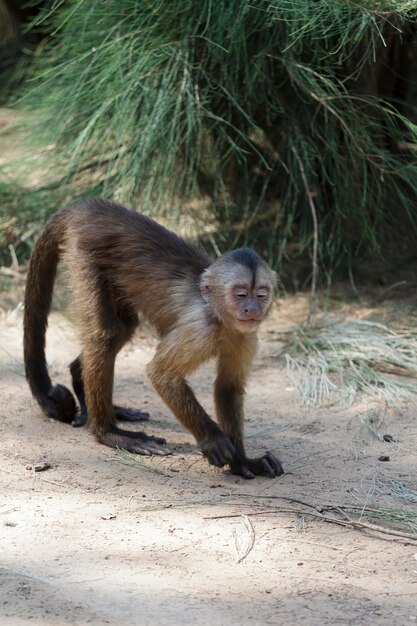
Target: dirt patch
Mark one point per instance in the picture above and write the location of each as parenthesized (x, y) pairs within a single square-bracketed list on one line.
[(107, 538)]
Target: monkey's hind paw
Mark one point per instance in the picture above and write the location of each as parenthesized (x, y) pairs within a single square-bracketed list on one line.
[(147, 448), (136, 442), (121, 413), (267, 465), (126, 414)]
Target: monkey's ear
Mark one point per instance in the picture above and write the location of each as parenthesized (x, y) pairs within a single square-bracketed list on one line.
[(274, 279)]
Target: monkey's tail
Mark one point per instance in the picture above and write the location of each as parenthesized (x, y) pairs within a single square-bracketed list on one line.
[(56, 401)]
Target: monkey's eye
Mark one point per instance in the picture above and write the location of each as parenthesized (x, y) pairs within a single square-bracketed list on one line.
[(241, 294), (262, 293)]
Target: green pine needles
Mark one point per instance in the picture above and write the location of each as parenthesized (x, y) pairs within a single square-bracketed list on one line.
[(257, 116)]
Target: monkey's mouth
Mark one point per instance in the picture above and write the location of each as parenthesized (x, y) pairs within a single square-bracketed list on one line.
[(248, 324), (249, 320)]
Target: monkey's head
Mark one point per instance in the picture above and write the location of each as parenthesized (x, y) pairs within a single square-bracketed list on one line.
[(239, 287)]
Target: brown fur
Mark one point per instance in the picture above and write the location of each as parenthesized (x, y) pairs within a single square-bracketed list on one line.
[(120, 264)]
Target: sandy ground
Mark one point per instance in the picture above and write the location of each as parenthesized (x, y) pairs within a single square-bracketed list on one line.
[(106, 538)]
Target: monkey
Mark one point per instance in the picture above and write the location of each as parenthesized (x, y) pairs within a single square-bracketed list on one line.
[(122, 264)]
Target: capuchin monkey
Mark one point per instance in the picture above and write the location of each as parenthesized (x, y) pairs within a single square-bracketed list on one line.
[(122, 264)]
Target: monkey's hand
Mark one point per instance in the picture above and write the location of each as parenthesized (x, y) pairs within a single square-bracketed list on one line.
[(218, 450), (266, 465)]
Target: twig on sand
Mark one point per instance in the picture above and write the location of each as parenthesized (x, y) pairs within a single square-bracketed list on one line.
[(250, 542), (322, 513)]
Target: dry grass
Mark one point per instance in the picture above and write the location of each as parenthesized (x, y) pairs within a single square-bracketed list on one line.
[(337, 359)]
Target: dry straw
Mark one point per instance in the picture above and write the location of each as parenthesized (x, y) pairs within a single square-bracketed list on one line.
[(338, 358)]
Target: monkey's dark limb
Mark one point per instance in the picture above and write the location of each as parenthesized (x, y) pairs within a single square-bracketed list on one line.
[(136, 434), (137, 442), (93, 375), (121, 413), (267, 465), (98, 387), (179, 397), (228, 394), (127, 414)]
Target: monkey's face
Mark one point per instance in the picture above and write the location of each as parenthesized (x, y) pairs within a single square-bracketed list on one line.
[(240, 296), (249, 305)]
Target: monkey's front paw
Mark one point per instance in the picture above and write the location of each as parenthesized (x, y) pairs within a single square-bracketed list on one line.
[(218, 450), (267, 465)]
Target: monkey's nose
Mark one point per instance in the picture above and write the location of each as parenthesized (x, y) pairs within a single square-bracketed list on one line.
[(253, 313)]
